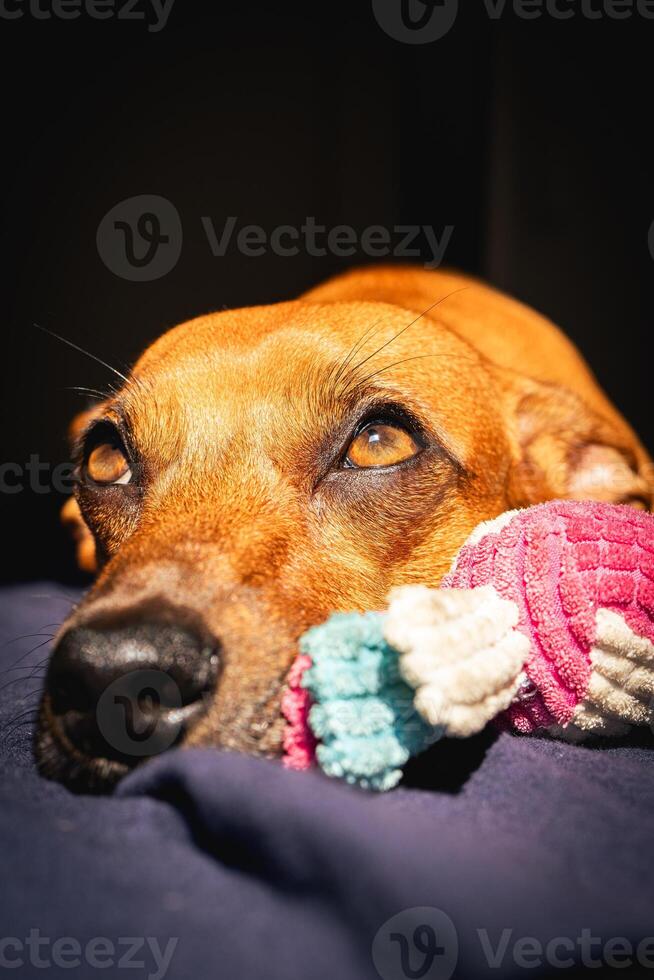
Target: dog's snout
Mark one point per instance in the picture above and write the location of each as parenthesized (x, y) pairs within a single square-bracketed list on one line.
[(123, 692), (88, 660)]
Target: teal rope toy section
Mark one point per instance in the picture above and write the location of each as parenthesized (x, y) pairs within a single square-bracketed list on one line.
[(363, 713)]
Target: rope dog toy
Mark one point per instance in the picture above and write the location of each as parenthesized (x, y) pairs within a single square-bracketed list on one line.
[(545, 621)]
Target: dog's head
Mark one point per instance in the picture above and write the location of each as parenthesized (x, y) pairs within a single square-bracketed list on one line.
[(263, 467)]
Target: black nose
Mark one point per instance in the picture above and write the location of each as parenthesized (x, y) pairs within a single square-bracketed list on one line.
[(128, 692)]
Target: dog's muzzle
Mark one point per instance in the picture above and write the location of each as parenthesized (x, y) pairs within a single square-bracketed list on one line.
[(118, 694)]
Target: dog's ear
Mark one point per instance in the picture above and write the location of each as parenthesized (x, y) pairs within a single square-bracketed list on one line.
[(564, 448), (71, 518), (71, 515)]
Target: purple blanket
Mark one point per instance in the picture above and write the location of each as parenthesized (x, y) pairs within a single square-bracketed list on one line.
[(531, 859)]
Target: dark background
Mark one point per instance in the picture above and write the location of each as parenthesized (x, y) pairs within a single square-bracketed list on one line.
[(531, 138)]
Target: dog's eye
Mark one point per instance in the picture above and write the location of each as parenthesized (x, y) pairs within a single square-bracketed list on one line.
[(381, 444), (107, 464)]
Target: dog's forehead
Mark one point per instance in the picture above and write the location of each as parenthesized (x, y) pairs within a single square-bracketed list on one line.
[(287, 369), (260, 334), (286, 345)]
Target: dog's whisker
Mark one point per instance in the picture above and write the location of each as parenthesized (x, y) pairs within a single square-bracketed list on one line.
[(87, 392), (28, 723), (21, 727), (42, 663), (32, 670), (94, 357), (387, 367), (23, 680), (26, 636), (358, 383), (137, 382), (22, 716), (366, 335), (11, 670), (38, 646), (404, 329)]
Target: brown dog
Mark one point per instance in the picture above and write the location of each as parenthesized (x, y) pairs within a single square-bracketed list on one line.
[(263, 467)]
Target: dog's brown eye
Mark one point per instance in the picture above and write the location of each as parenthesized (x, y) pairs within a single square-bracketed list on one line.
[(381, 444), (107, 464)]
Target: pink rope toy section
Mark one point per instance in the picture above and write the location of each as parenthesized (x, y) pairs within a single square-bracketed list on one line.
[(545, 621), (299, 740), (560, 563)]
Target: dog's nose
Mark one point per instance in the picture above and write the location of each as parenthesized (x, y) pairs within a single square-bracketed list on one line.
[(128, 692)]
